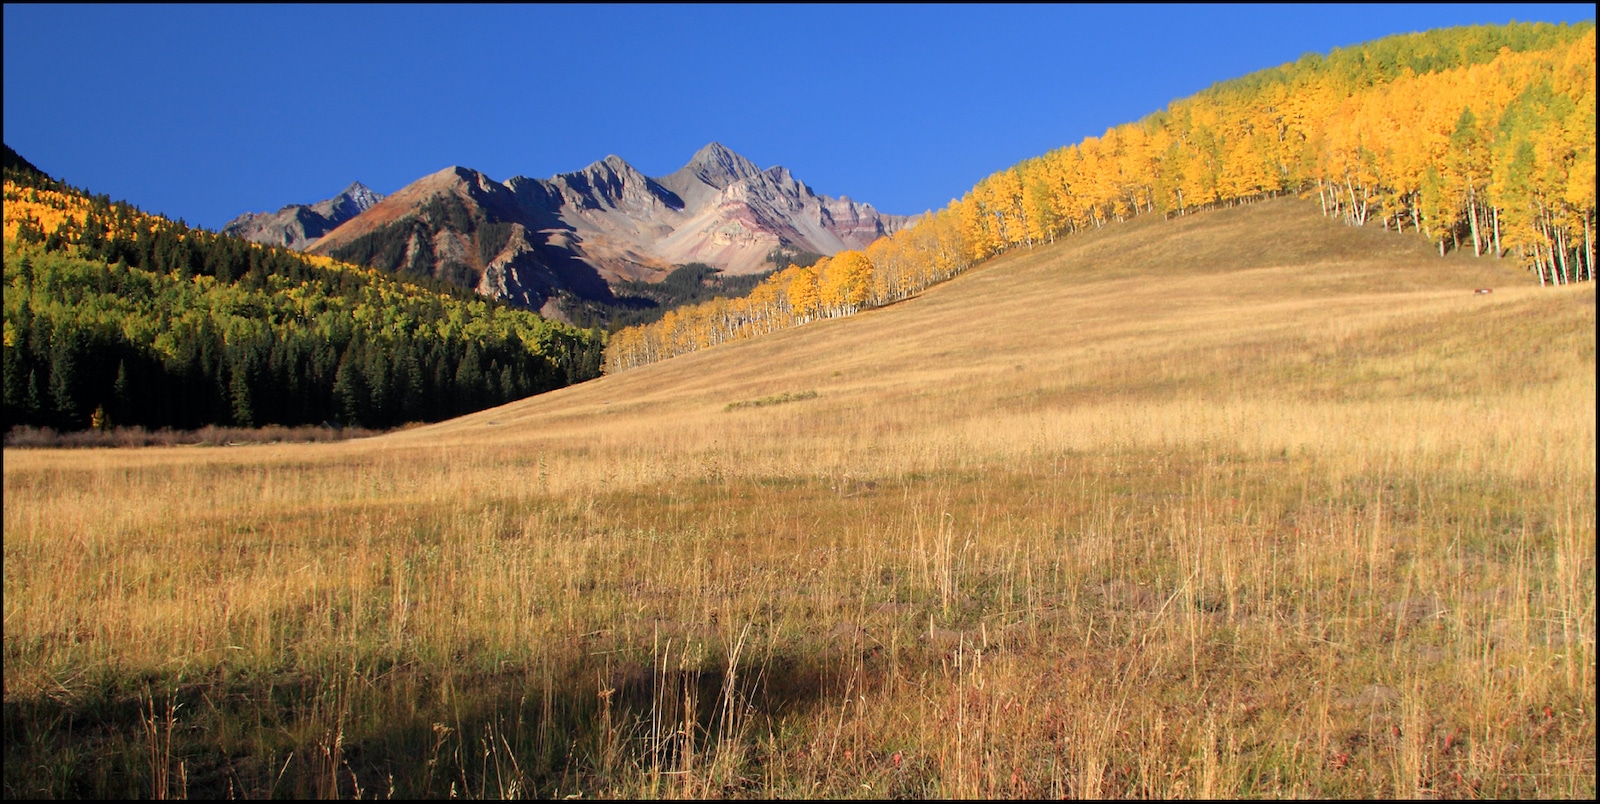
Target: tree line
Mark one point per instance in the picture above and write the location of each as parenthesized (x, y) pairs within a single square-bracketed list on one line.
[(1479, 137)]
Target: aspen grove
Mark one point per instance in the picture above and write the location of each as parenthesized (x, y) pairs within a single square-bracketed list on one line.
[(1479, 137)]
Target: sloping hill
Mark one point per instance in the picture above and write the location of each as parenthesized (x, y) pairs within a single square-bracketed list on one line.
[(1166, 302), (1170, 509), (1403, 133)]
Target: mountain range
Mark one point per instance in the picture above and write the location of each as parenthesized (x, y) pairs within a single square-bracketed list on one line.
[(532, 241)]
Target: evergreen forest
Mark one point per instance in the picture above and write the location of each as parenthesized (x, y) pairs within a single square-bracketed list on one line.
[(114, 317)]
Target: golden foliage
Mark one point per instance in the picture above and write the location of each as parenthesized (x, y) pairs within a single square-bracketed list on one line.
[(1497, 154)]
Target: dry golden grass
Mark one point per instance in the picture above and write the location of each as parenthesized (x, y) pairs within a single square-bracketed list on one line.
[(1243, 503)]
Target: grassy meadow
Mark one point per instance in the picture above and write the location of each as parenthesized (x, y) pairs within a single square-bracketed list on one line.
[(1244, 503)]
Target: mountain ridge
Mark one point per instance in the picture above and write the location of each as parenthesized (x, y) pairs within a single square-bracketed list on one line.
[(297, 226), (576, 233)]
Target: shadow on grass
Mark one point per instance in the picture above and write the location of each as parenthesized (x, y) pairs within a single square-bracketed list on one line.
[(408, 732)]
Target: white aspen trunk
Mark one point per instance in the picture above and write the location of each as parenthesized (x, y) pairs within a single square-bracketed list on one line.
[(1472, 215), (1561, 240), (1588, 251), (1498, 252), (1538, 253), (1559, 255), (1416, 222), (1550, 246)]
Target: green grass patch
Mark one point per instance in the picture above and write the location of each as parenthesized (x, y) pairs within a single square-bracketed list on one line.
[(775, 399)]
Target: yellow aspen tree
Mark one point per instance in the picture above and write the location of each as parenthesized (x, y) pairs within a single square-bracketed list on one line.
[(1008, 206), (976, 232), (1096, 181), (848, 282), (889, 257), (803, 296), (1063, 170), (1040, 214)]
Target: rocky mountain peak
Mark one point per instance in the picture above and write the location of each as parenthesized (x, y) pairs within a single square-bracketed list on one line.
[(611, 183), (719, 167), (575, 232), (359, 192), (352, 201), (297, 226), (612, 170)]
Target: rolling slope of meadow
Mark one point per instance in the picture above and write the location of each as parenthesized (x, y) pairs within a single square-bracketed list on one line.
[(1246, 502)]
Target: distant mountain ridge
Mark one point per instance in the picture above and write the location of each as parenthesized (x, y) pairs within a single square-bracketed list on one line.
[(530, 240), (297, 226)]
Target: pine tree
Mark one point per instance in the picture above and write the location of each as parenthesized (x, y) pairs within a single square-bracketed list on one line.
[(469, 383), (241, 396), (64, 377), (350, 394), (121, 404)]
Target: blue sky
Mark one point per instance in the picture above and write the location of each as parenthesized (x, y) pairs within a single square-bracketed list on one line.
[(205, 112)]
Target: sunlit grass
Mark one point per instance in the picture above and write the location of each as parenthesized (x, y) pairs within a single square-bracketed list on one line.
[(1178, 509)]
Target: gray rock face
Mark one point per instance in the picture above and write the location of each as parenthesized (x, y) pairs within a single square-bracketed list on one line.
[(717, 166), (578, 232), (719, 209), (744, 213), (297, 226)]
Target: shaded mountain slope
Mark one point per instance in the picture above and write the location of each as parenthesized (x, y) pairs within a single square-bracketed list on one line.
[(460, 226)]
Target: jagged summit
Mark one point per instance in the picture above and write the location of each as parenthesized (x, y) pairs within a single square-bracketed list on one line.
[(357, 190), (612, 166), (718, 166), (298, 226), (527, 239), (350, 202)]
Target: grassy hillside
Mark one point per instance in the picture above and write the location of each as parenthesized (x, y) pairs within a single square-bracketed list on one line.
[(1479, 137), (1246, 502)]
